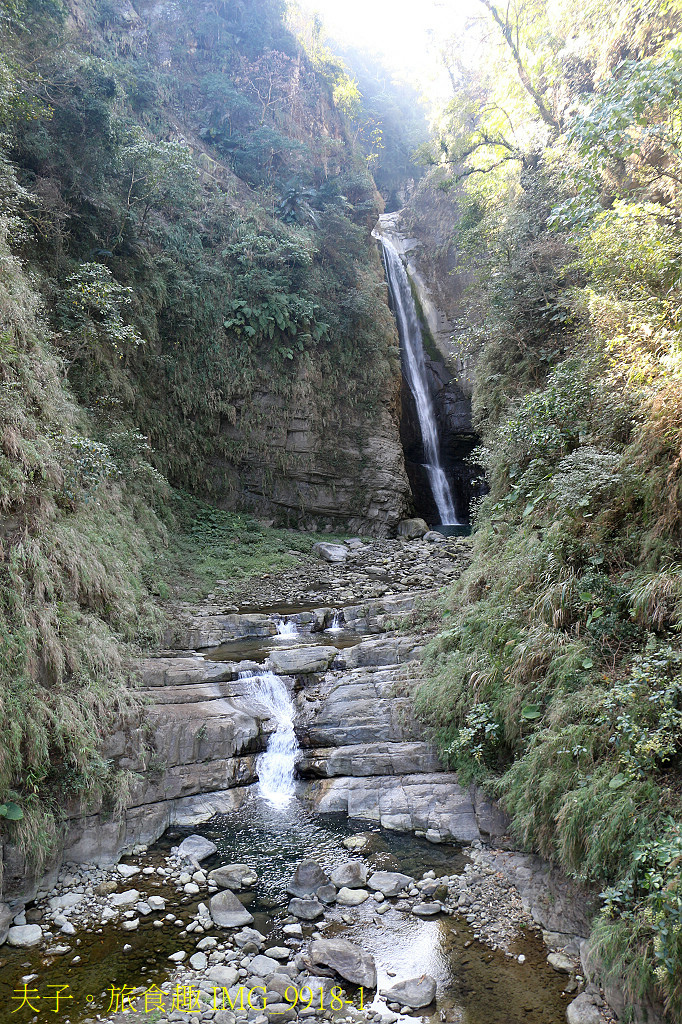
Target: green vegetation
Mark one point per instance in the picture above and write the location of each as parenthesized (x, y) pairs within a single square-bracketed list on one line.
[(210, 545), (557, 678), (184, 257)]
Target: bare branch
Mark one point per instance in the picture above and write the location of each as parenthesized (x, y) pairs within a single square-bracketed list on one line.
[(506, 31)]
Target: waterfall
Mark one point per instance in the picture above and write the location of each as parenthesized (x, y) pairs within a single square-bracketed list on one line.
[(335, 625), (286, 629), (415, 371), (275, 766)]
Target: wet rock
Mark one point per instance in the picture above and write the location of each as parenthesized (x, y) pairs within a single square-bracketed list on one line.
[(414, 992), (583, 1011), (330, 552), (351, 897), (227, 911), (307, 878), (178, 957), (64, 925), (359, 842), (127, 926), (426, 909), (326, 893), (307, 910), (412, 528), (433, 537), (233, 876), (25, 935), (351, 875), (301, 660), (348, 961), (156, 902), (196, 848), (294, 931), (390, 883), (5, 921)]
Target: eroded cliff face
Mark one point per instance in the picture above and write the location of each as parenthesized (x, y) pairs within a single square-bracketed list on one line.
[(315, 467)]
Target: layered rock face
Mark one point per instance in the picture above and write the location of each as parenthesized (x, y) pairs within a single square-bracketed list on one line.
[(365, 753), (190, 752), (342, 470)]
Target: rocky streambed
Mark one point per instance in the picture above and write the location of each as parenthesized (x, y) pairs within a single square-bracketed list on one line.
[(409, 867), (369, 925)]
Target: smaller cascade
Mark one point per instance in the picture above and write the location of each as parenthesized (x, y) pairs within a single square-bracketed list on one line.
[(335, 625), (275, 766), (286, 629)]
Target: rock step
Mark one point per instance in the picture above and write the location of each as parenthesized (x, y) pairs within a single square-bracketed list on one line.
[(382, 758), (434, 805)]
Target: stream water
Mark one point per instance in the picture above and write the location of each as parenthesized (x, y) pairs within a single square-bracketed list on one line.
[(476, 985)]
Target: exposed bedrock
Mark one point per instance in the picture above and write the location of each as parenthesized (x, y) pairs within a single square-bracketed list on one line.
[(341, 469), (364, 752)]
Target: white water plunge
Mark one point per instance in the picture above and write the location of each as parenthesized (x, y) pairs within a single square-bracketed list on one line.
[(415, 371), (275, 766), (286, 629)]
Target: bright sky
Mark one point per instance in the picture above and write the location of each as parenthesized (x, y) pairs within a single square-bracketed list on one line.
[(405, 32)]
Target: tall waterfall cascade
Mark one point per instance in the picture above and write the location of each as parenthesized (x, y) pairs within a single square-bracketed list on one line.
[(275, 766), (414, 364)]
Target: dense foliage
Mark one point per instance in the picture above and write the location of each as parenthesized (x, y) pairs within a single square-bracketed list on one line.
[(184, 255), (558, 677)]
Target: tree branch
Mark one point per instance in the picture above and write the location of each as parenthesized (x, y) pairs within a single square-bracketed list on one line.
[(506, 31)]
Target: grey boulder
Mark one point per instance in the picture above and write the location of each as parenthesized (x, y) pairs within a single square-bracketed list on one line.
[(223, 975), (263, 965), (233, 876), (301, 660), (196, 848), (25, 935), (389, 882), (331, 552), (350, 962), (582, 1010), (326, 893), (227, 911), (426, 909), (351, 875), (306, 910), (414, 992), (308, 877), (412, 528)]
